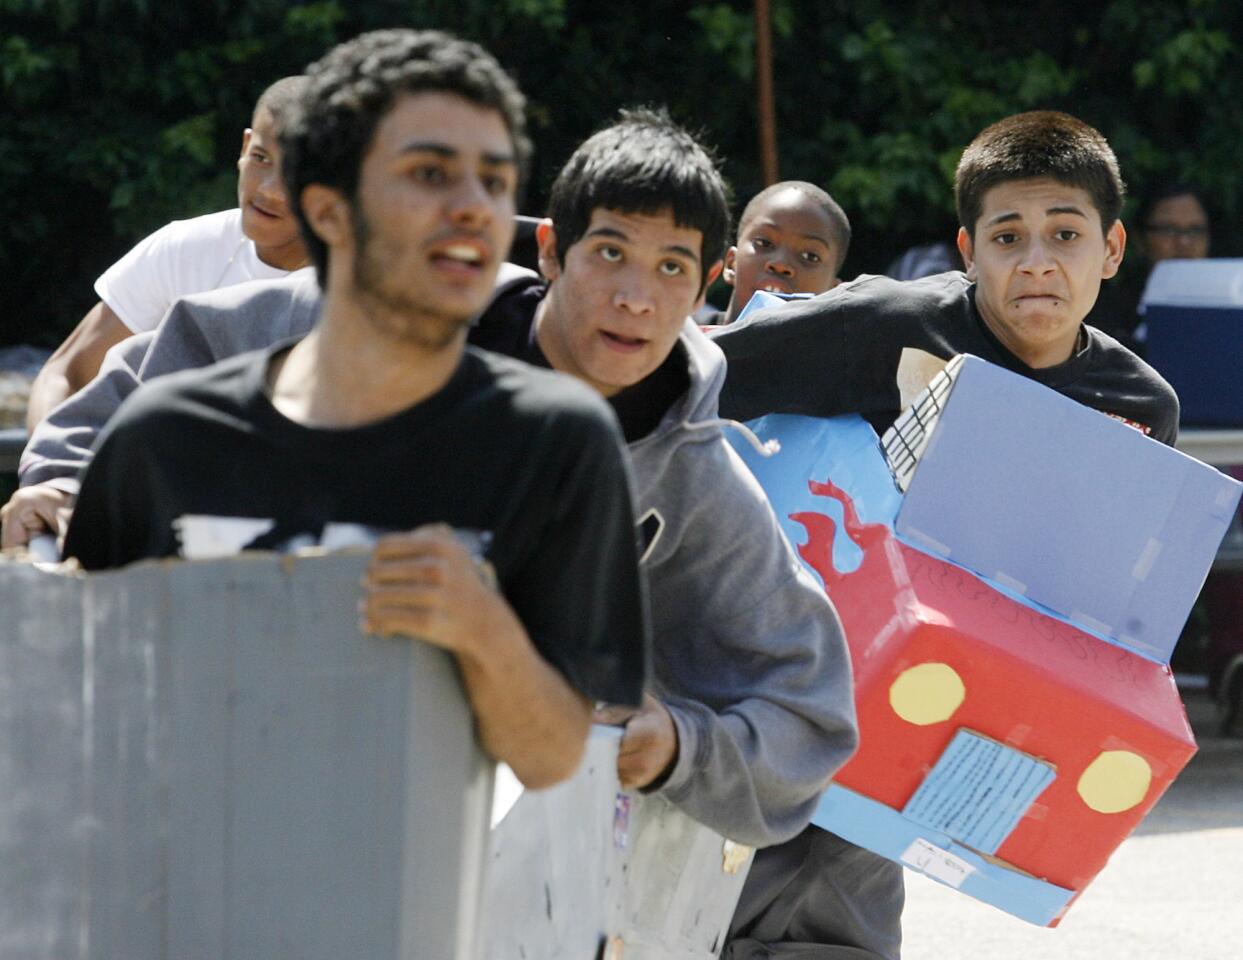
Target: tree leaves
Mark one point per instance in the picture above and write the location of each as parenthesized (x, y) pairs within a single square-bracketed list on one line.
[(123, 114)]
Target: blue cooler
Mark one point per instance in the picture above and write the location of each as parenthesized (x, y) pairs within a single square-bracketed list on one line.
[(1194, 313)]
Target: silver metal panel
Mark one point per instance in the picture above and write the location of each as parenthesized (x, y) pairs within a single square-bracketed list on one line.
[(43, 815), (206, 759)]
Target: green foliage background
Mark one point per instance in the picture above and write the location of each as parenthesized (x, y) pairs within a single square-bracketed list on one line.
[(119, 115)]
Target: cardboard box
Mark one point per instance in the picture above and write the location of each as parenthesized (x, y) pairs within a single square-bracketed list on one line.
[(1004, 750), (1193, 312), (1074, 510)]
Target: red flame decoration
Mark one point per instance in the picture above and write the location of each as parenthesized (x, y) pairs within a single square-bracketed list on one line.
[(817, 552)]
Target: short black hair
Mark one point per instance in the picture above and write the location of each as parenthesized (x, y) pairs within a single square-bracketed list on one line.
[(643, 163), (1041, 143), (838, 220), (352, 88), (280, 96)]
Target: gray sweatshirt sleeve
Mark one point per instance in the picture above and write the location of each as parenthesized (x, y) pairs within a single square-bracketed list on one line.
[(195, 332), (208, 327), (62, 442), (750, 659)]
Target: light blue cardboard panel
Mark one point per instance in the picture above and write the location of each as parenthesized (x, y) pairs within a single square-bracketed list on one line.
[(842, 449), (978, 791), (887, 832), (762, 300), (846, 451), (1078, 511)]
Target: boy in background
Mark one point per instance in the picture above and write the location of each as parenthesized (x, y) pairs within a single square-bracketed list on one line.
[(792, 238), (257, 240)]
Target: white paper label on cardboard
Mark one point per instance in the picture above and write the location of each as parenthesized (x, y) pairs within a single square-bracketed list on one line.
[(937, 863), (1099, 627)]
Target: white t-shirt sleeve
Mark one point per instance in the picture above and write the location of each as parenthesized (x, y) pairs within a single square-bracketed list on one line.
[(181, 258)]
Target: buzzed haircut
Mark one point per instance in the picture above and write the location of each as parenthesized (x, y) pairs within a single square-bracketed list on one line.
[(1041, 143), (280, 96), (352, 88), (644, 163), (838, 220)]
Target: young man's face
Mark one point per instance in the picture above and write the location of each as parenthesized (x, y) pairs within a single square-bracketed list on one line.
[(266, 218), (787, 246), (617, 304), (1039, 254), (434, 216), (1177, 227)]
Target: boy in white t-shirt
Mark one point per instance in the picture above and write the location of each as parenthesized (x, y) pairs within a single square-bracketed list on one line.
[(255, 241)]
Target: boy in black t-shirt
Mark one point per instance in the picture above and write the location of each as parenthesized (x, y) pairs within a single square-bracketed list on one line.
[(1039, 196), (402, 163)]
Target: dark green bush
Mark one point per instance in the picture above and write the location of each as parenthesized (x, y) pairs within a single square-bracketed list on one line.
[(119, 115)]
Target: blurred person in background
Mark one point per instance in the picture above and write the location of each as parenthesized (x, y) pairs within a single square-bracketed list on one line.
[(256, 240), (1173, 225)]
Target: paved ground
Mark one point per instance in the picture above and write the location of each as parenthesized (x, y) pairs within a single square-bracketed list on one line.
[(1173, 890)]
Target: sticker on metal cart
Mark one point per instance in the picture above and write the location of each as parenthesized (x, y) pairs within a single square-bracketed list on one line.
[(621, 821)]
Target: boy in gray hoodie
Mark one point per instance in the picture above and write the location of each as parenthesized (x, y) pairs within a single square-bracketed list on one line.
[(751, 709)]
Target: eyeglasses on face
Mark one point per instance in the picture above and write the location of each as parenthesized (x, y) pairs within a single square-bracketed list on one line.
[(1177, 233)]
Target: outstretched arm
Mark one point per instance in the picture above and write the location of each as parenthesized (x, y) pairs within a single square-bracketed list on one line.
[(75, 362)]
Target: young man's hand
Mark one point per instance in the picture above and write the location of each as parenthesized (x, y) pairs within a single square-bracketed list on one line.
[(649, 745), (34, 510), (425, 584)]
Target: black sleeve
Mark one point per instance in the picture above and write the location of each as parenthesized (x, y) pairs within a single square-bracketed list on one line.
[(579, 594), (787, 359), (111, 523), (1165, 427)]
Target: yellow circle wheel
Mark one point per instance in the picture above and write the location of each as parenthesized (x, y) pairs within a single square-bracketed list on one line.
[(1115, 781), (927, 693)]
